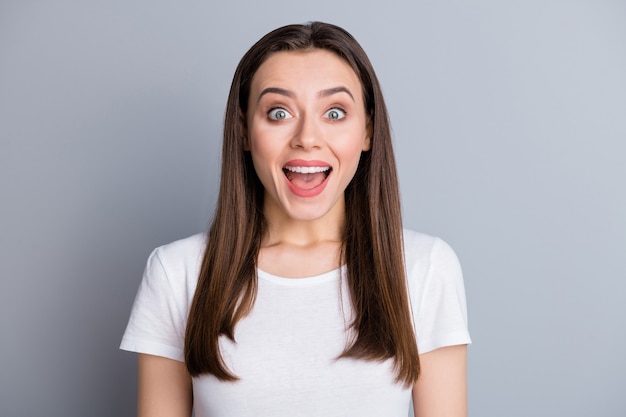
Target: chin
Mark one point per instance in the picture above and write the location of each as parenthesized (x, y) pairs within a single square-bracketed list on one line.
[(306, 215), (304, 210)]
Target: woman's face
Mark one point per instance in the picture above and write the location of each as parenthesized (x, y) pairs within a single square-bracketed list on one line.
[(306, 128)]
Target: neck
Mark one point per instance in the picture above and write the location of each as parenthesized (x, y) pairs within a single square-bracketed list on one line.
[(283, 229)]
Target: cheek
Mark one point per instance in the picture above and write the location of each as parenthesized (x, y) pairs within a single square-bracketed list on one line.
[(259, 160), (264, 156), (351, 148)]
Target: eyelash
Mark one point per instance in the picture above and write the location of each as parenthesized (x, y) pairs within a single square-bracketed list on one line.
[(272, 116), (276, 109), (336, 109)]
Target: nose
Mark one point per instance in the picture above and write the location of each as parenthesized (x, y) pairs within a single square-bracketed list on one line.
[(308, 134)]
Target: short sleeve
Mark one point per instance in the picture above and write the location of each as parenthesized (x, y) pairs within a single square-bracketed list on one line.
[(438, 301), (158, 317)]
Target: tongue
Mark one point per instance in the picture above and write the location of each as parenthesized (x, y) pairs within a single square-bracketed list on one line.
[(306, 181)]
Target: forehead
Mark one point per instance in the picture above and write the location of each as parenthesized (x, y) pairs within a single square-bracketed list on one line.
[(311, 69)]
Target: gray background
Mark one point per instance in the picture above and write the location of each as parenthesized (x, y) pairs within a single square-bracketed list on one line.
[(509, 122)]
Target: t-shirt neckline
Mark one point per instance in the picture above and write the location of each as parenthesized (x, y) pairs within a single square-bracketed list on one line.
[(311, 280)]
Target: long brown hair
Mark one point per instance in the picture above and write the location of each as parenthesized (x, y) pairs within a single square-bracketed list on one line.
[(372, 247)]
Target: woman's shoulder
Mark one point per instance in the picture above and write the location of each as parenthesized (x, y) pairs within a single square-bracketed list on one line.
[(422, 251), (182, 252), (415, 240), (419, 245), (437, 292)]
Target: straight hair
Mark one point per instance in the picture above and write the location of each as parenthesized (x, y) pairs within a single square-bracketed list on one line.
[(372, 248)]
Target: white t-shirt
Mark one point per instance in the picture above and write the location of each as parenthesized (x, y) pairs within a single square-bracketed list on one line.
[(286, 348)]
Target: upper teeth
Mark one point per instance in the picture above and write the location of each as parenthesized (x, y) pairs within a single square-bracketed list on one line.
[(307, 170)]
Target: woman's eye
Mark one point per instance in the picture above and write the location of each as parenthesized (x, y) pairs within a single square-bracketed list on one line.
[(335, 114), (279, 114)]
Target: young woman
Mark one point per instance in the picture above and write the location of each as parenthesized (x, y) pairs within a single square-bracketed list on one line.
[(306, 297)]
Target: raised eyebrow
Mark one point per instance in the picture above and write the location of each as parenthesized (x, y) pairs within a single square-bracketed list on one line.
[(276, 90), (335, 90)]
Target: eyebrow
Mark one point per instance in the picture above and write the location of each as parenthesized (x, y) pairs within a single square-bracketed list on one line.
[(276, 90), (324, 93), (335, 90)]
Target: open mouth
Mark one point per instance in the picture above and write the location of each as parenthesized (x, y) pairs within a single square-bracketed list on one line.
[(307, 178)]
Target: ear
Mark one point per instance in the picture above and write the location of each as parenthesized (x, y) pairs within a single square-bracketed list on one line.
[(244, 130), (369, 129)]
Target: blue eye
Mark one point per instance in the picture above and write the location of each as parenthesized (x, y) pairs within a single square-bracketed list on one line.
[(335, 114), (279, 114)]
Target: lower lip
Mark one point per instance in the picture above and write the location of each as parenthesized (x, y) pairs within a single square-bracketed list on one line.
[(312, 192)]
